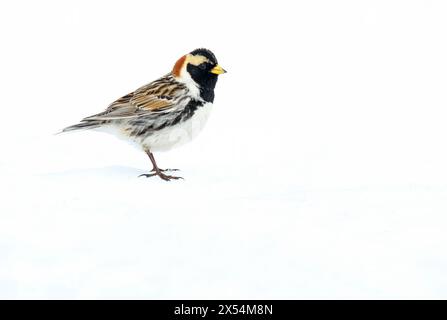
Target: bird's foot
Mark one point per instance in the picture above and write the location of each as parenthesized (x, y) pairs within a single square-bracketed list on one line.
[(164, 170), (161, 175), (168, 177)]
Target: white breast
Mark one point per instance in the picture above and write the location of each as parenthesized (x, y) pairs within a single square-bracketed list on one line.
[(180, 133)]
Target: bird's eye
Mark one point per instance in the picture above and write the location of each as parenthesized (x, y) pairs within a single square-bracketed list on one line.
[(202, 66)]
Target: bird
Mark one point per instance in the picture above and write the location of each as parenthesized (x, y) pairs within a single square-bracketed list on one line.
[(165, 113)]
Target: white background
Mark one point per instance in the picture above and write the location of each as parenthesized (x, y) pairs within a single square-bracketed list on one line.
[(321, 173)]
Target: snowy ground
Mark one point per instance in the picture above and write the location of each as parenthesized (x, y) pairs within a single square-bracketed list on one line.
[(321, 173)]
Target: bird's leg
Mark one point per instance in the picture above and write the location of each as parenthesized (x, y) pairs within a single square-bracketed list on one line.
[(157, 170), (154, 165), (154, 169)]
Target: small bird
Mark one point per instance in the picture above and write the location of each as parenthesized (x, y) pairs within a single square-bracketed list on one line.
[(165, 113)]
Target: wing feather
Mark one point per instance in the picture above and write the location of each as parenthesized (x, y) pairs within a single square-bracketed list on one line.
[(158, 96)]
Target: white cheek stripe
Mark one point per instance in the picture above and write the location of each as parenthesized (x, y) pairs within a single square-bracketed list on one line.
[(186, 79)]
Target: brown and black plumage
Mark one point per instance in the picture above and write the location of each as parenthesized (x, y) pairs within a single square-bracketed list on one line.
[(165, 113)]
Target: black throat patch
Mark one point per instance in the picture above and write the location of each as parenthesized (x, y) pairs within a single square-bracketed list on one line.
[(206, 81)]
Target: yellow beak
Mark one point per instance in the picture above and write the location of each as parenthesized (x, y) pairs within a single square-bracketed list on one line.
[(217, 70)]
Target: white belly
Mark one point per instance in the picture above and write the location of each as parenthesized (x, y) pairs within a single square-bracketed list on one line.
[(179, 134)]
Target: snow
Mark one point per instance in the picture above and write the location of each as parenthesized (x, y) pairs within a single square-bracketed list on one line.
[(321, 172)]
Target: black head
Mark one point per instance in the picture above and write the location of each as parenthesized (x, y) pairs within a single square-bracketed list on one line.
[(202, 67), (205, 53)]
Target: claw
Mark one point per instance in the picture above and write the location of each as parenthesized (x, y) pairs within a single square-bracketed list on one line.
[(164, 170), (147, 175), (168, 178), (161, 175)]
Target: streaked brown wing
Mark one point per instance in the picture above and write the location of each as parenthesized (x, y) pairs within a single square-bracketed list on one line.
[(157, 96)]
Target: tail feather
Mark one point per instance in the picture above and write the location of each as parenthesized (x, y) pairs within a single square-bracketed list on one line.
[(85, 125)]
